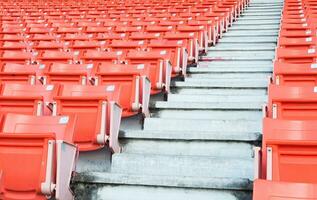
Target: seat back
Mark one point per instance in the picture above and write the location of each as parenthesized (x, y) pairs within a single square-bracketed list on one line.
[(290, 149), (30, 99), (264, 190), (63, 73), (19, 73), (89, 104), (29, 141), (291, 102), (295, 74)]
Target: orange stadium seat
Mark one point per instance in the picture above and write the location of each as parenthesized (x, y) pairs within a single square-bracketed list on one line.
[(98, 118), (67, 73), (38, 151)]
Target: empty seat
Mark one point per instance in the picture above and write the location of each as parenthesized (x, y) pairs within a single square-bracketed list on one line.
[(134, 84), (49, 56), (98, 118), (20, 57), (292, 102), (302, 74), (27, 99), (67, 73), (156, 59), (290, 150), (178, 52), (268, 190), (20, 73), (291, 55), (38, 152), (96, 57)]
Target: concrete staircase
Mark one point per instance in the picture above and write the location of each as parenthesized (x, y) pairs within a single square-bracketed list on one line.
[(198, 144)]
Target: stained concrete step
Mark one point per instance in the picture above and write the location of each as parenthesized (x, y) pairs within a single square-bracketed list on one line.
[(138, 187), (241, 48), (255, 33), (222, 65), (220, 91), (224, 46), (230, 75), (223, 70), (223, 83), (215, 98), (160, 124), (190, 136), (229, 105), (174, 165), (208, 114), (225, 149), (245, 38)]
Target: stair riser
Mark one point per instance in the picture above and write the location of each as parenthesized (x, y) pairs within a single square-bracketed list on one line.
[(216, 98), (109, 192), (208, 114), (188, 148), (182, 166), (231, 76), (201, 125), (250, 92)]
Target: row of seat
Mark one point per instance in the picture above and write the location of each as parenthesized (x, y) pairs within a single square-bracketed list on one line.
[(71, 70), (286, 163)]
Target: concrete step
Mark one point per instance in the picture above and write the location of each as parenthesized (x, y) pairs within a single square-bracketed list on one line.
[(228, 105), (223, 70), (220, 91), (225, 149), (255, 27), (202, 125), (247, 14), (215, 98), (255, 33), (223, 65), (173, 165), (242, 55), (253, 21), (139, 187), (208, 114), (222, 46), (223, 83), (226, 47), (230, 75), (191, 136), (246, 39)]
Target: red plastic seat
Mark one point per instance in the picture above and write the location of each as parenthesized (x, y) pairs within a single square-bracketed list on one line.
[(291, 55), (27, 99), (20, 73), (292, 102), (200, 34), (50, 56), (98, 118), (156, 59), (269, 190), (19, 57), (125, 45), (135, 87), (189, 42), (289, 150), (96, 57), (179, 55), (37, 151), (305, 43), (67, 73), (295, 74)]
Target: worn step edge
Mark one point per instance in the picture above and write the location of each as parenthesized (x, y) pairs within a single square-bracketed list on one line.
[(164, 181), (190, 135), (208, 105), (199, 85)]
